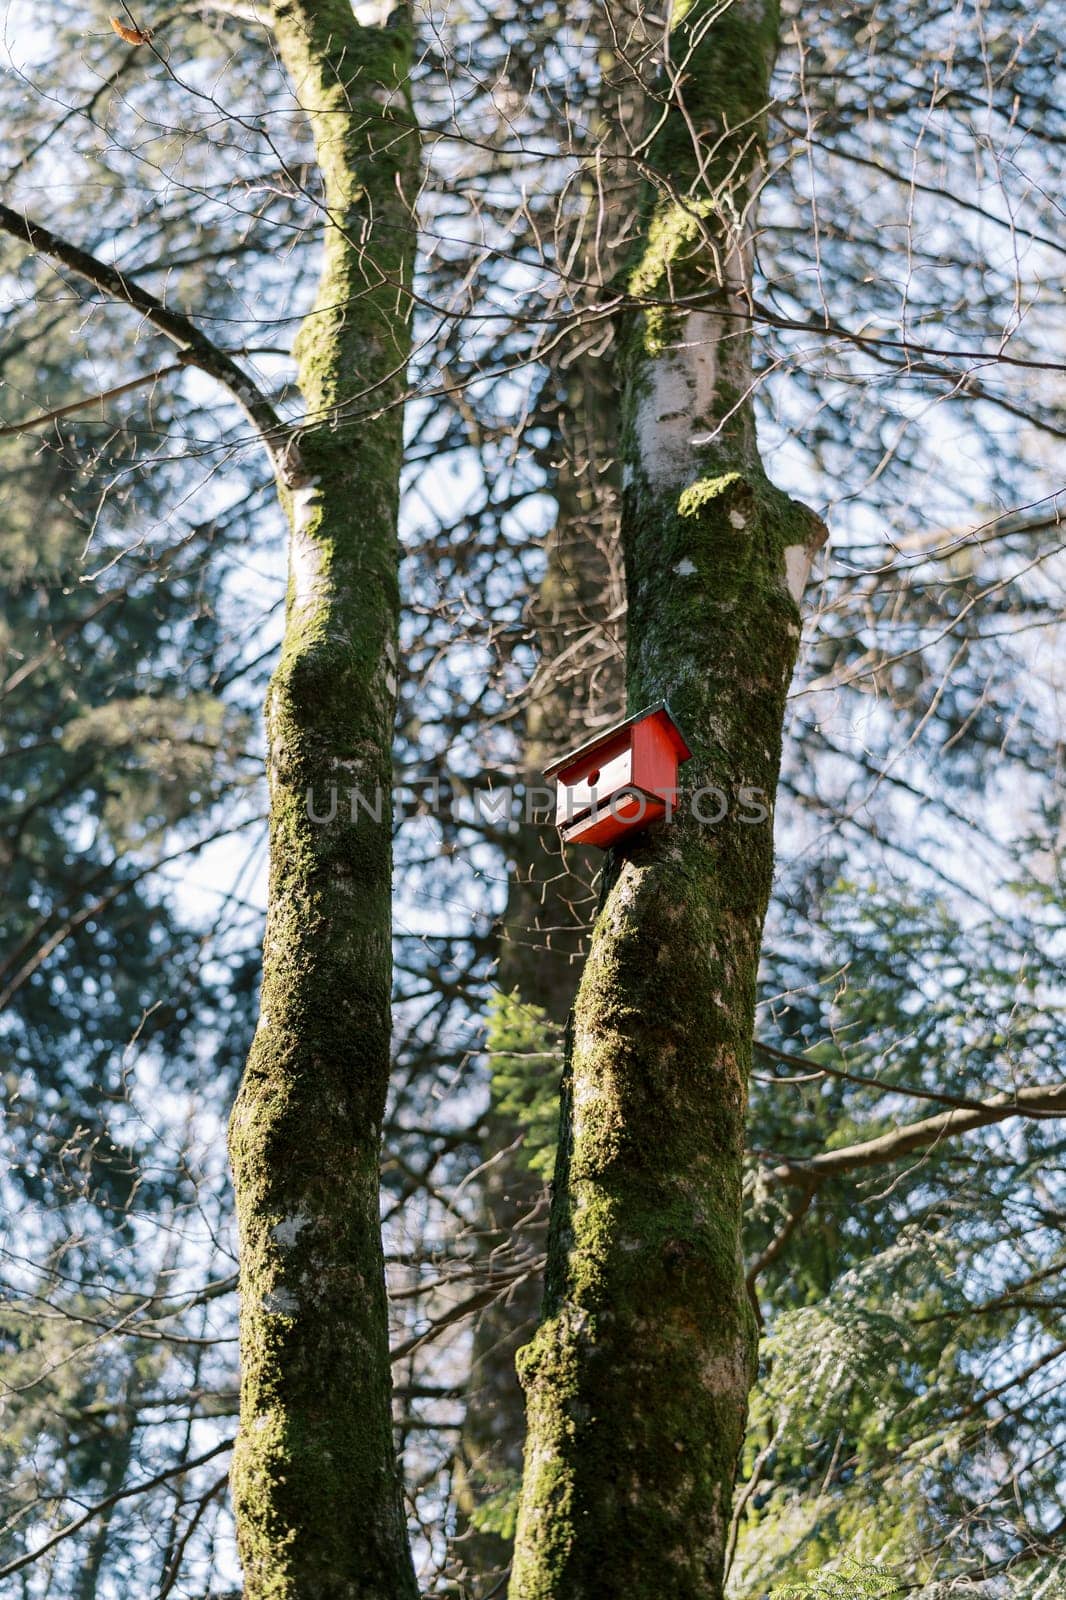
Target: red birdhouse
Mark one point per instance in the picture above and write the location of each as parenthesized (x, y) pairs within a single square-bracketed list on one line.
[(620, 781)]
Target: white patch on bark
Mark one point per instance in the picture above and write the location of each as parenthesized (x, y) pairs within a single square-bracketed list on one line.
[(685, 568), (727, 1374), (281, 1301), (288, 1230), (303, 500), (586, 1107), (574, 1318), (738, 519), (677, 402), (797, 569), (305, 556), (372, 13), (540, 1455)]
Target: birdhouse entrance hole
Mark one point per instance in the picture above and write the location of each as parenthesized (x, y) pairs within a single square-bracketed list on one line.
[(621, 781)]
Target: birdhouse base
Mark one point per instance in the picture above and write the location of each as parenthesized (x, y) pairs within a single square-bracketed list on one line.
[(627, 811)]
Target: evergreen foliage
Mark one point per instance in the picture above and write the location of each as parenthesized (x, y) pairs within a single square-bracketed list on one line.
[(525, 1061)]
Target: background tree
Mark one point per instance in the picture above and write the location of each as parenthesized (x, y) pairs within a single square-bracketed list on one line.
[(576, 685)]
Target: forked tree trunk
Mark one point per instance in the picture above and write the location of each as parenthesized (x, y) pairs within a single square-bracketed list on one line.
[(316, 1490), (637, 1379)]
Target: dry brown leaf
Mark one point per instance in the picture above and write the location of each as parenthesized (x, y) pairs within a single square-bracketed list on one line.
[(131, 35)]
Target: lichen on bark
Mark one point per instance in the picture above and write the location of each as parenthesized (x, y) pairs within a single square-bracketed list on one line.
[(316, 1489), (637, 1379)]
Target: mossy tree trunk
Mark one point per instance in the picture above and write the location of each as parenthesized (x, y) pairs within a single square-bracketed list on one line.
[(316, 1490), (637, 1379)]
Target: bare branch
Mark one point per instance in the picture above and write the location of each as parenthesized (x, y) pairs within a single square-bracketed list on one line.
[(90, 400), (1041, 1100), (196, 347), (111, 1500)]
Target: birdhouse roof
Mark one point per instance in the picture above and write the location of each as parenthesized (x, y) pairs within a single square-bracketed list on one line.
[(660, 712)]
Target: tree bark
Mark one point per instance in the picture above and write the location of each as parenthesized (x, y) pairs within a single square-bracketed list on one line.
[(316, 1490), (637, 1379)]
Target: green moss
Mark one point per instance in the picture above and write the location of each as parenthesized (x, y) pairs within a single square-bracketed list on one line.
[(724, 55), (353, 83), (676, 237), (703, 491), (316, 1493), (704, 158), (638, 1377)]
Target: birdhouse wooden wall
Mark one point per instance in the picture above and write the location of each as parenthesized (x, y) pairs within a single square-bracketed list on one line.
[(621, 781)]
